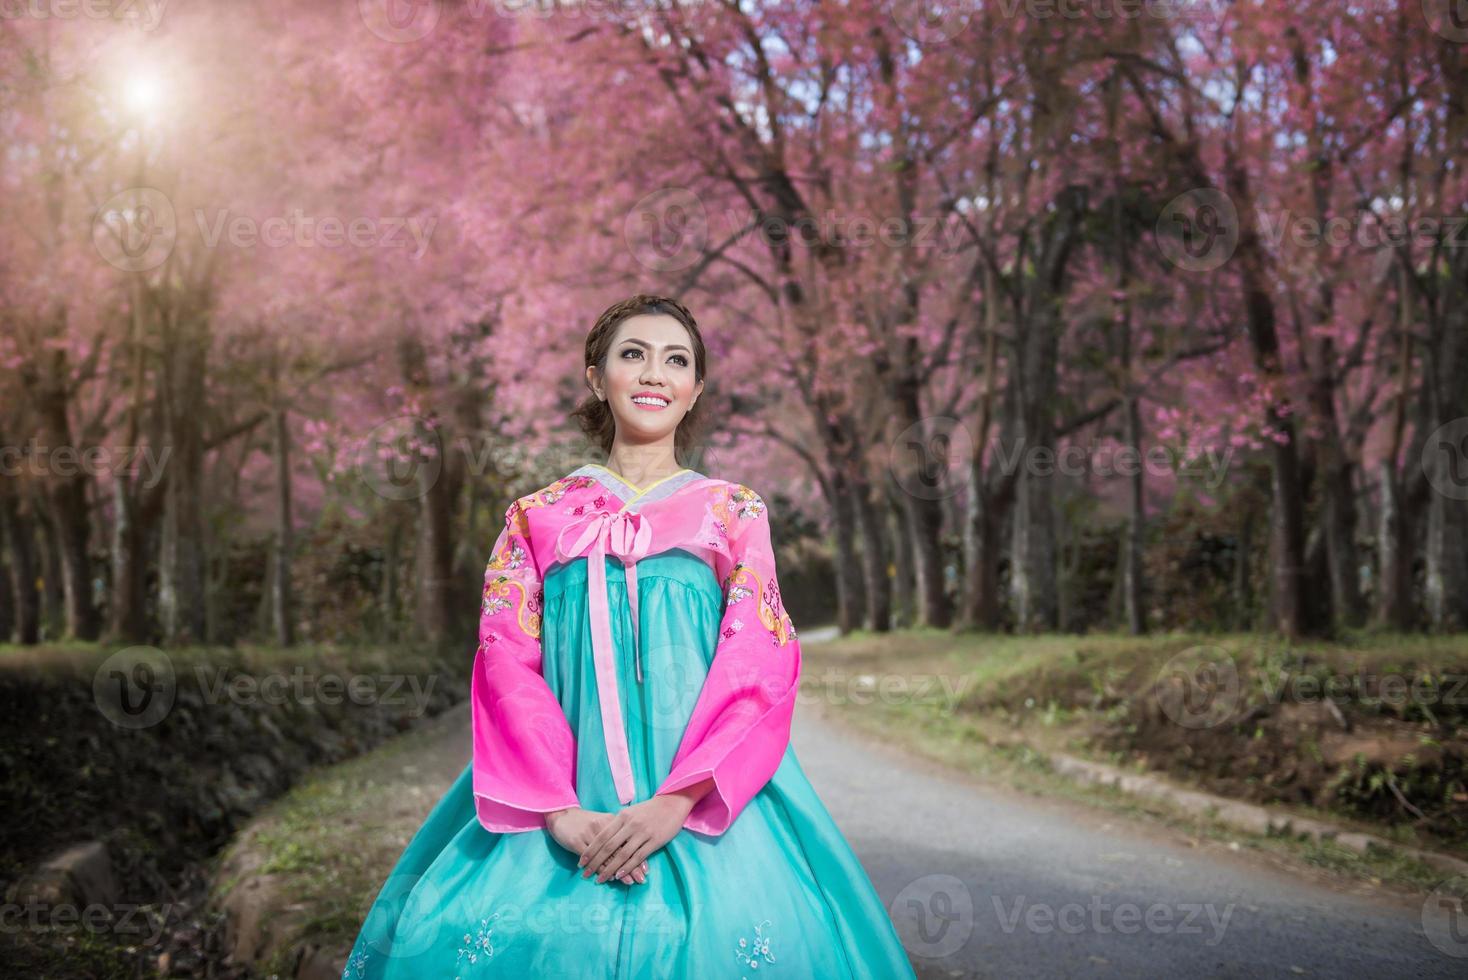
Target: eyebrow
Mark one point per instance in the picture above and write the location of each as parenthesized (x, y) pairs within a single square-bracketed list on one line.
[(643, 343)]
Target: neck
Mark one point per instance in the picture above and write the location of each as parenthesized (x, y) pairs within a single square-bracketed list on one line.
[(642, 466)]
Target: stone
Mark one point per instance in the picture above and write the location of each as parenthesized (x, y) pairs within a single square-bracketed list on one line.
[(80, 875)]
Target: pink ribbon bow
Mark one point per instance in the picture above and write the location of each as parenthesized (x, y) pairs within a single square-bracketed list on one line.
[(628, 536)]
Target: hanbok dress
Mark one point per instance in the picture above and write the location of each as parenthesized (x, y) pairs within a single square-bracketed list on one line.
[(631, 641)]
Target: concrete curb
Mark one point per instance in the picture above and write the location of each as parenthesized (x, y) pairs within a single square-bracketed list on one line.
[(1245, 816)]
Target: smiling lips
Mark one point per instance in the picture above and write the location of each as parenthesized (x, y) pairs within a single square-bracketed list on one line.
[(651, 401)]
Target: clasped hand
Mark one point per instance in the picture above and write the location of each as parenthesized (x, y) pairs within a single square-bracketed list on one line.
[(617, 845)]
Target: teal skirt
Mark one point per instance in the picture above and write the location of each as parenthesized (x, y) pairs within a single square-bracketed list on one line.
[(779, 894)]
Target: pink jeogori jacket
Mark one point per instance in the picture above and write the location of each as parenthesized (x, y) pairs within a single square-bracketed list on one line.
[(524, 749)]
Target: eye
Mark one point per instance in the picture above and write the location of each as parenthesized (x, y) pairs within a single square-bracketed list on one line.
[(632, 350), (683, 361)]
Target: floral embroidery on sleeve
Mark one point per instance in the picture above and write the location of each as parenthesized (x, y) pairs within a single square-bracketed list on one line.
[(745, 502), (743, 581), (524, 760), (737, 506), (558, 490), (518, 584)]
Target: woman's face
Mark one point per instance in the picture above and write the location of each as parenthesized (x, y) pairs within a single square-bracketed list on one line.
[(648, 383)]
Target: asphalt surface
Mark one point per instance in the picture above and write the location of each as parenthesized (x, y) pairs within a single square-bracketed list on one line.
[(985, 881)]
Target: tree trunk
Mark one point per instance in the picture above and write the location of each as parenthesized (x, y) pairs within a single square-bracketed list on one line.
[(1317, 561), (181, 566), (873, 560), (923, 521), (1287, 515), (1134, 592), (986, 507), (282, 604), (848, 589), (389, 597), (904, 591), (1033, 575), (1033, 557), (1133, 586), (65, 498), (1243, 584), (1394, 553), (1446, 585), (436, 490), (1447, 456), (1336, 473), (126, 620), (985, 513), (25, 601), (1340, 540), (53, 603), (1396, 530), (435, 552)]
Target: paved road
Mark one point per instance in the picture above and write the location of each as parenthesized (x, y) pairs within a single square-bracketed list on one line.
[(990, 882)]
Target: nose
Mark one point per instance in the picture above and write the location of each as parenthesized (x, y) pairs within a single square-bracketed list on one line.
[(652, 370)]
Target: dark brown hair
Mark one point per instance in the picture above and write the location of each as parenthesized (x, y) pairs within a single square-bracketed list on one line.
[(595, 415)]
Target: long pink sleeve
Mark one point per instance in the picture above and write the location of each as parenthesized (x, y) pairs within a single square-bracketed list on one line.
[(740, 725), (524, 749)]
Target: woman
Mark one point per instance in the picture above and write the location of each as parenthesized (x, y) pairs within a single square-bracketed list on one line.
[(634, 808)]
